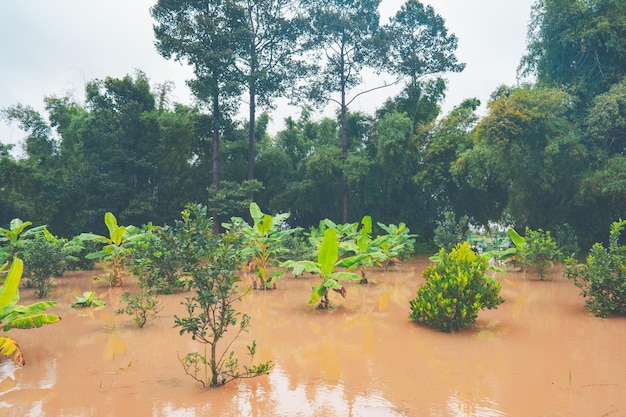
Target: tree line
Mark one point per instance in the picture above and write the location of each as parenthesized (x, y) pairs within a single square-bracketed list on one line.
[(549, 153)]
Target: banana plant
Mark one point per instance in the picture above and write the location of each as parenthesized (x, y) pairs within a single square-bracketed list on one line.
[(117, 246), (264, 243), (327, 262), (15, 316), (12, 239)]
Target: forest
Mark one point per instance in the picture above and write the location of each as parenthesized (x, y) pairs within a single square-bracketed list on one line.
[(549, 152)]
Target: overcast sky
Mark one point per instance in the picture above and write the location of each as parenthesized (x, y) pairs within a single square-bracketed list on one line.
[(53, 47)]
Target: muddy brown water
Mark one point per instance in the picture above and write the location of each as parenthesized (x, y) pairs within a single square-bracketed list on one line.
[(539, 354)]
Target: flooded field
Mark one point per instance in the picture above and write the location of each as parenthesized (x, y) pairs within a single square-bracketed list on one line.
[(539, 354)]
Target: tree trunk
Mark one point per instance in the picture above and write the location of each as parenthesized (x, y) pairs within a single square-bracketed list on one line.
[(344, 144), (216, 156)]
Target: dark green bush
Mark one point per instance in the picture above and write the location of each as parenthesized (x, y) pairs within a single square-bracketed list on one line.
[(602, 279), (456, 289)]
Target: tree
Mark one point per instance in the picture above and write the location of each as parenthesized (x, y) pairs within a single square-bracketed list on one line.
[(578, 45), (527, 146), (268, 59), (344, 32), (418, 44), (209, 36)]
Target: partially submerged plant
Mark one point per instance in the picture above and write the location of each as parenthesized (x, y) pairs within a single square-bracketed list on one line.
[(117, 246), (211, 313), (143, 307), (327, 261), (89, 299), (602, 279), (456, 289), (15, 316), (263, 243)]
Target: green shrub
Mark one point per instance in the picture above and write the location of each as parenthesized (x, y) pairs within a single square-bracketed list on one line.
[(602, 279), (158, 262), (456, 289), (46, 257), (143, 307), (538, 252)]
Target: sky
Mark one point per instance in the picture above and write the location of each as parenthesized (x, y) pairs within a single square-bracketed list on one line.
[(54, 47)]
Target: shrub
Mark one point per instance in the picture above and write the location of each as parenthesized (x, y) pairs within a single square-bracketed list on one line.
[(538, 251), (46, 257), (602, 279), (157, 261), (143, 307), (456, 289)]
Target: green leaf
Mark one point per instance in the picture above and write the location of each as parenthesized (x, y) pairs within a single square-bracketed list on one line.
[(517, 240), (328, 252), (318, 292), (32, 321), (255, 212), (111, 223), (345, 276), (9, 291)]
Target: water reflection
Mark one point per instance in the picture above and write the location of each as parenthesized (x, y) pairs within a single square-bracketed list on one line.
[(325, 398), (474, 407)]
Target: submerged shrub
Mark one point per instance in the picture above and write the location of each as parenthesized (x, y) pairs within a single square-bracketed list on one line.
[(456, 289), (602, 279), (538, 251)]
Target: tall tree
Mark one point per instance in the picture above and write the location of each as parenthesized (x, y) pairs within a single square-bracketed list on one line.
[(344, 32), (269, 58), (418, 44), (208, 35)]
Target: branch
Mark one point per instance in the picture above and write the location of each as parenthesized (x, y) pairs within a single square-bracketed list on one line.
[(373, 89)]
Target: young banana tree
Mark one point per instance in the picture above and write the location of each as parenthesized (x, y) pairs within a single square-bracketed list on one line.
[(327, 261), (12, 239), (14, 316), (263, 242), (117, 246)]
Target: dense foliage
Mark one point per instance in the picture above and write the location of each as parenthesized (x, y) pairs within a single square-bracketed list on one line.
[(456, 289)]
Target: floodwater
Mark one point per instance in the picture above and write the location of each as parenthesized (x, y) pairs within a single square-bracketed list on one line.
[(539, 354)]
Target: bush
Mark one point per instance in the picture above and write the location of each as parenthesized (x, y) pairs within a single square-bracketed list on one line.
[(602, 279), (456, 289), (44, 259), (158, 262), (538, 251)]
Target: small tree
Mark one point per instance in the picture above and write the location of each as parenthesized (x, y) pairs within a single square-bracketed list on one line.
[(211, 313), (456, 289), (538, 252), (602, 279)]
